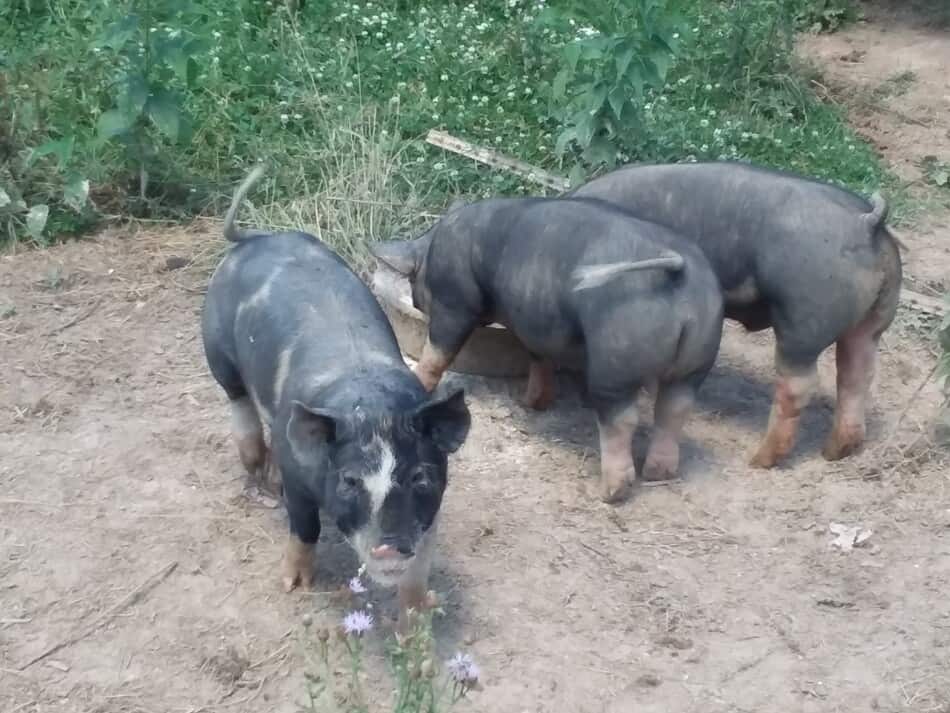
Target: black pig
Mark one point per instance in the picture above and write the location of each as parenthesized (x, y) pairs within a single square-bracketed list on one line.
[(575, 280), (300, 344), (813, 261)]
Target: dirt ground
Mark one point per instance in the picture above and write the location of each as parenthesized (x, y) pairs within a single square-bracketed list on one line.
[(717, 593)]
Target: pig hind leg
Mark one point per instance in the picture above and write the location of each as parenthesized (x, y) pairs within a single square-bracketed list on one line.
[(263, 482), (674, 402), (539, 392), (793, 389), (247, 431), (616, 424)]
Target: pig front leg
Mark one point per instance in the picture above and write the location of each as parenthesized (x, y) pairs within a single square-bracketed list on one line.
[(297, 565), (616, 425), (432, 364), (793, 390), (414, 584), (539, 392), (673, 405), (448, 331)]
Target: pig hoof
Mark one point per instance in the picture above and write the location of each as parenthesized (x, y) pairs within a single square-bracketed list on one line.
[(658, 472), (297, 565), (296, 576), (259, 497), (613, 493), (537, 402), (836, 449), (764, 459)]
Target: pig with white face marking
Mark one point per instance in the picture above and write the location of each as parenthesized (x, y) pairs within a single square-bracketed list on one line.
[(299, 343)]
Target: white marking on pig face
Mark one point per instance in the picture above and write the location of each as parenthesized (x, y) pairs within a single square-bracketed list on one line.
[(380, 482), (377, 484)]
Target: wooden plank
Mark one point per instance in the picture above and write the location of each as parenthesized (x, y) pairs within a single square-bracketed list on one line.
[(493, 158)]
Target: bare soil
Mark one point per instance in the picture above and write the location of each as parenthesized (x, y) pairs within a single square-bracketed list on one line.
[(717, 593)]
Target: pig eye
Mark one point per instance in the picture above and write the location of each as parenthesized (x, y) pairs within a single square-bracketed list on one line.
[(349, 482)]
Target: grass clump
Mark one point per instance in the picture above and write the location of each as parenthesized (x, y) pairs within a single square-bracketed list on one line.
[(157, 107)]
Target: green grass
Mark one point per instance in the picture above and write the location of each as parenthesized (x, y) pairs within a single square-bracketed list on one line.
[(340, 96)]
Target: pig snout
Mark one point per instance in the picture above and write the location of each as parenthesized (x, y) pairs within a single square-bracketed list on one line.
[(392, 550)]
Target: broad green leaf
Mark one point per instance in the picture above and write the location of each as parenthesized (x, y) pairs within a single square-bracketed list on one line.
[(593, 48), (559, 86), (577, 175), (191, 72), (596, 97), (584, 125), (564, 139), (650, 74), (162, 109), (36, 220), (623, 60), (662, 59), (133, 98), (635, 79), (601, 151), (76, 193), (62, 149), (112, 123), (4, 199), (617, 99), (941, 178), (572, 53)]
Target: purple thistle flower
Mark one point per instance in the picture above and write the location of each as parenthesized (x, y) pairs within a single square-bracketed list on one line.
[(462, 668), (357, 622), (356, 586)]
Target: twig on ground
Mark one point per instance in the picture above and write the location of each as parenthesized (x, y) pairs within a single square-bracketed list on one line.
[(126, 601), (73, 322), (492, 158)]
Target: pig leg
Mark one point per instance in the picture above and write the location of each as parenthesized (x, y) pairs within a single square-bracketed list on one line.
[(856, 358), (297, 565), (447, 333), (432, 365), (793, 389), (673, 405), (249, 436), (414, 584), (539, 393), (617, 471)]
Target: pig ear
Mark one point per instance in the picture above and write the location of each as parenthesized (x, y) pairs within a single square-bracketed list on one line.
[(403, 256), (308, 429), (445, 420)]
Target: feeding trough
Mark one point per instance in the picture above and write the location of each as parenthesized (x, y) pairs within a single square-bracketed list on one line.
[(489, 351)]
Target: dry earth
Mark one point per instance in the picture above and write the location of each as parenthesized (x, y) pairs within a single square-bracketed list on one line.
[(717, 593)]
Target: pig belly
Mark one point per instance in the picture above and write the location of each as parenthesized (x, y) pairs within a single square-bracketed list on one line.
[(545, 337)]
